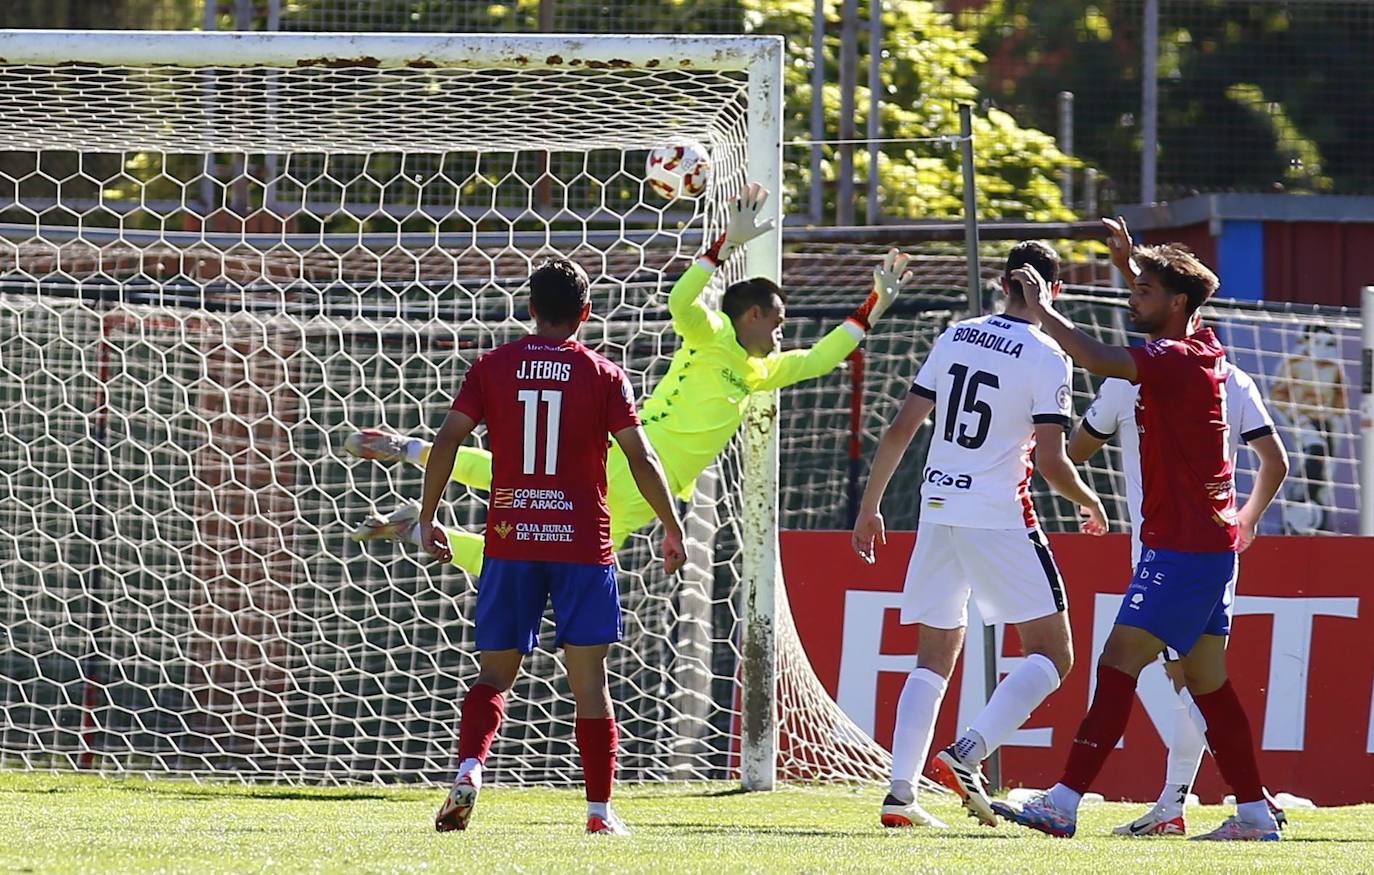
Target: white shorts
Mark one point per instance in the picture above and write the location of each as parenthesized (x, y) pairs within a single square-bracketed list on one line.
[(1010, 573)]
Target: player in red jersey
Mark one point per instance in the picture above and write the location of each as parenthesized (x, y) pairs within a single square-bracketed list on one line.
[(1180, 593), (549, 403)]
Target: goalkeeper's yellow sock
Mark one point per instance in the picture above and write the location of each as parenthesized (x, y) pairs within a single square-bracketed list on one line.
[(467, 550), (471, 468)]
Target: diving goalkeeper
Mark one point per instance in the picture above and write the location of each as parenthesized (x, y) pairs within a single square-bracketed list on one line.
[(698, 405)]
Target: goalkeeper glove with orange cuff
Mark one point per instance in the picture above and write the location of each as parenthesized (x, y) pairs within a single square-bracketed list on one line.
[(888, 281), (742, 226)]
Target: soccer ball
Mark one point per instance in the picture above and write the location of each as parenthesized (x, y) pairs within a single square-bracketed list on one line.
[(679, 169)]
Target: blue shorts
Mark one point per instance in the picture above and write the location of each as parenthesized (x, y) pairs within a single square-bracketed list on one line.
[(1179, 597), (512, 594)]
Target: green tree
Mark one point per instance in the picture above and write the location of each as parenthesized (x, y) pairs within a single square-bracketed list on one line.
[(1252, 95)]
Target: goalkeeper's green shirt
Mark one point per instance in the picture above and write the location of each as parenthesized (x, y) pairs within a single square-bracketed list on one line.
[(698, 406)]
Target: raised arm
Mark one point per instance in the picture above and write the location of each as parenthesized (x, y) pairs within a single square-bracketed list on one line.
[(653, 485), (456, 428), (1090, 353), (869, 526), (1121, 246), (794, 366), (693, 320)]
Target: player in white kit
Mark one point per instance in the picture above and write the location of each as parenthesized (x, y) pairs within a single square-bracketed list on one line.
[(1113, 413), (1000, 391)]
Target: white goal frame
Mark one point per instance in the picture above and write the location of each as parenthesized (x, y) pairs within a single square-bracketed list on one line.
[(758, 57)]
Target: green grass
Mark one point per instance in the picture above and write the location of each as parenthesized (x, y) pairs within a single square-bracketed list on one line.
[(63, 823)]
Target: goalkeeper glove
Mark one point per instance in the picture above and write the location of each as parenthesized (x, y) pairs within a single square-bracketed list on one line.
[(742, 225), (888, 281)]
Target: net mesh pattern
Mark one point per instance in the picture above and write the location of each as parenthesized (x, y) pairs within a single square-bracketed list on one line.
[(208, 279)]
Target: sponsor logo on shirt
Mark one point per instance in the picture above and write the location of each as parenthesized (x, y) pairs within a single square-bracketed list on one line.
[(1158, 347), (532, 499), (940, 478), (734, 379), (561, 532), (503, 529), (1065, 398)]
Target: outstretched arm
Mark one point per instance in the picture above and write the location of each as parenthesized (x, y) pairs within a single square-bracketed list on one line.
[(693, 320), (1121, 246), (456, 428), (868, 527), (797, 365), (1090, 353)]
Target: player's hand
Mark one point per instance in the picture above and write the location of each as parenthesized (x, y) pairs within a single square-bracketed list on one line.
[(743, 223), (1094, 518), (868, 529), (889, 278), (1249, 528), (1118, 241), (1034, 289), (435, 542), (674, 554)]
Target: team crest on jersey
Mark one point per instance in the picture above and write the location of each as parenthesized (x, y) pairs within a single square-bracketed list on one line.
[(503, 498), (504, 528), (1065, 398)]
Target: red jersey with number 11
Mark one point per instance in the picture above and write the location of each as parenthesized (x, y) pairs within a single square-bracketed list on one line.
[(1189, 501), (549, 406)]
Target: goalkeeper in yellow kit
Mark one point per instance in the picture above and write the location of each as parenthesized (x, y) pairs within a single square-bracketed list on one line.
[(697, 406)]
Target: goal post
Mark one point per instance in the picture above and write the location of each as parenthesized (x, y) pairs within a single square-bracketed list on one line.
[(237, 248)]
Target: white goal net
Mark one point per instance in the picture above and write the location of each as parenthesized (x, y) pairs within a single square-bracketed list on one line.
[(219, 255)]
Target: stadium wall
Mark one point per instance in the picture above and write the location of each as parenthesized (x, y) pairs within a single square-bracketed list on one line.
[(1300, 658)]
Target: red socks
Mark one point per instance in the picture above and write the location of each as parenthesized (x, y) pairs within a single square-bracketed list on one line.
[(596, 741), (1233, 746), (483, 708), (1101, 729)]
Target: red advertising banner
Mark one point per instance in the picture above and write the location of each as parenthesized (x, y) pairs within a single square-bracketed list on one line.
[(1301, 658)]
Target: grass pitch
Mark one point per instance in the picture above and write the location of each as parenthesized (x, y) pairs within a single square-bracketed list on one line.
[(64, 823)]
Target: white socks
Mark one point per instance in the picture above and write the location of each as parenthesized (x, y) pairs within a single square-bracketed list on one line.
[(599, 809), (1012, 702), (471, 769), (414, 449), (1185, 749), (1065, 800), (916, 710), (1257, 814)]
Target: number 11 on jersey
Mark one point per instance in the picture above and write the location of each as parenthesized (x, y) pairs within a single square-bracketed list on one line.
[(553, 400)]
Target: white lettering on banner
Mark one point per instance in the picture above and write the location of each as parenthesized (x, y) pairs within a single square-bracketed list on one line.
[(973, 691), (1290, 654), (862, 661), (1369, 739), (861, 656)]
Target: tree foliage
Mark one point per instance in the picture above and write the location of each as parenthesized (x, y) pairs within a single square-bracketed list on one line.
[(1252, 95)]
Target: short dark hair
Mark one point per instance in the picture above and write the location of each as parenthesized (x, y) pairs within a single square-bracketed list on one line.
[(1179, 271), (756, 292), (1039, 255), (559, 289)]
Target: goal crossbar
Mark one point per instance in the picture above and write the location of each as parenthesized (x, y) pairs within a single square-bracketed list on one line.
[(385, 50)]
